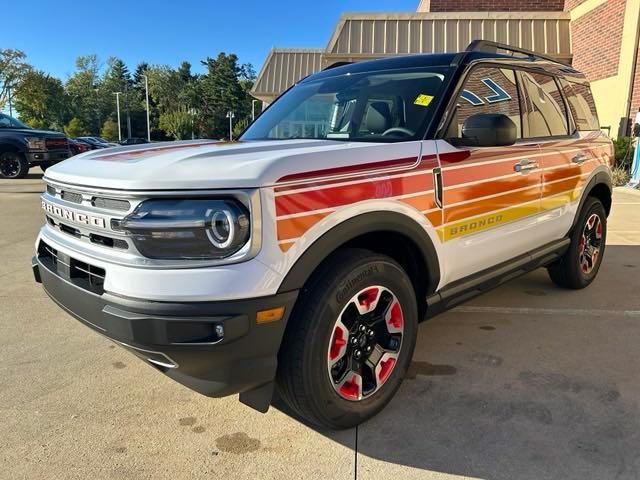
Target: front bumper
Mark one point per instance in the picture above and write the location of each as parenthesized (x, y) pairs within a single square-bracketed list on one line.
[(181, 339), (35, 158)]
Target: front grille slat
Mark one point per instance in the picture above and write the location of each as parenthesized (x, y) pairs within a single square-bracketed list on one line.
[(72, 197), (111, 204), (81, 274)]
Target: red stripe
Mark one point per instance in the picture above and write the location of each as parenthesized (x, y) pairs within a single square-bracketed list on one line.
[(346, 194), (362, 168)]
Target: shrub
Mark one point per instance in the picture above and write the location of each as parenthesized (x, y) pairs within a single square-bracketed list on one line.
[(621, 176), (623, 152)]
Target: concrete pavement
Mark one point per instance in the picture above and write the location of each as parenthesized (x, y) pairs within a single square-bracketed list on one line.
[(528, 381)]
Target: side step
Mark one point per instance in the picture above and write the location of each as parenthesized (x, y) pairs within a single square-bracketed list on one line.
[(481, 282)]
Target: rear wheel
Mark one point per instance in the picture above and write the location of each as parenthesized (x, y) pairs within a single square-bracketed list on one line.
[(350, 340), (580, 264), (13, 165)]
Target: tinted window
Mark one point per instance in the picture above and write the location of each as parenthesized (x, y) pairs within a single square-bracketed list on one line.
[(544, 106), (373, 106), (487, 90), (581, 105)]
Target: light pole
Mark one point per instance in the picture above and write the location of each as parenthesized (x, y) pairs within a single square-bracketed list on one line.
[(253, 110), (10, 104), (146, 93), (230, 116), (117, 94), (192, 112)]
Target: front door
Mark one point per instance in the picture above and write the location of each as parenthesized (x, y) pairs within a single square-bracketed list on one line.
[(490, 195)]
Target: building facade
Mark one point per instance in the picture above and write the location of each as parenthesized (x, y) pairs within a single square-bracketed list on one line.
[(599, 37)]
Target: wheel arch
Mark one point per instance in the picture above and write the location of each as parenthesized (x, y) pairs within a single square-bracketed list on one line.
[(599, 187), (387, 232)]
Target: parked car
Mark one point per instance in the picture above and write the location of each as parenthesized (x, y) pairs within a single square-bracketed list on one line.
[(93, 142), (304, 256), (22, 147), (78, 147), (134, 141)]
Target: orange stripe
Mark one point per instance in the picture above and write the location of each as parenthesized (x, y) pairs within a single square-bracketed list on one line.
[(490, 187), (295, 227), (495, 203)]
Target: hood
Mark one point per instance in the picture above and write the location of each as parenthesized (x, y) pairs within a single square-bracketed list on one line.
[(202, 164), (30, 132)]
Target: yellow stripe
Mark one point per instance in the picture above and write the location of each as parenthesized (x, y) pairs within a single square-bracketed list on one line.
[(480, 223)]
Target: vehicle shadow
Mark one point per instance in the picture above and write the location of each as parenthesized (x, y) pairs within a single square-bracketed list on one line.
[(495, 394)]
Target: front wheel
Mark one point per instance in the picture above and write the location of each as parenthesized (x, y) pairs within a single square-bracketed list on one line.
[(579, 266), (13, 165), (350, 340)]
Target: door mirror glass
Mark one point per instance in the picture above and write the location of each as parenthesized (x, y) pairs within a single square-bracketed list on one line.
[(488, 130)]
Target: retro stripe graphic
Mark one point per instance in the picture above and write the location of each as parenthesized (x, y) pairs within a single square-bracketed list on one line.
[(481, 194)]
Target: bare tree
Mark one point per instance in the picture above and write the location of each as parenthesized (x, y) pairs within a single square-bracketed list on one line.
[(12, 68)]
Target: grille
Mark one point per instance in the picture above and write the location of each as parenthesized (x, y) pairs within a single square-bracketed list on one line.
[(111, 203), (51, 191), (81, 274), (56, 143), (71, 197)]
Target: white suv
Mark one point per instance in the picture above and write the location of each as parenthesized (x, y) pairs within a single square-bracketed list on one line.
[(367, 197)]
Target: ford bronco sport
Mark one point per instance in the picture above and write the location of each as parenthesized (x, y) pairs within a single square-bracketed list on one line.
[(368, 197)]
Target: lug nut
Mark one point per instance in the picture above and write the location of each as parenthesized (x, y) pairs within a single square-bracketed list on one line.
[(357, 354), (371, 333), (368, 349), (362, 328), (353, 340)]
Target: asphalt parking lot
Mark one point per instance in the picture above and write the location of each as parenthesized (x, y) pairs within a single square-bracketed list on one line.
[(525, 382)]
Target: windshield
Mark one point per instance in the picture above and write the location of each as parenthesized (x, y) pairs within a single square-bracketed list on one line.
[(9, 122), (375, 106)]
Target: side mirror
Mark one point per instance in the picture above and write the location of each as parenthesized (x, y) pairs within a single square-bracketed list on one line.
[(488, 130)]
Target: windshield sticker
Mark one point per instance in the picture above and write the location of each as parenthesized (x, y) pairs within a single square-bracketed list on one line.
[(423, 100)]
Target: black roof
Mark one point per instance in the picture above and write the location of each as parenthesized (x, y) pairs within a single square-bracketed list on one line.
[(460, 59)]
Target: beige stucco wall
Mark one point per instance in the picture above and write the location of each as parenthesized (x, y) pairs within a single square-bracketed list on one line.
[(612, 94)]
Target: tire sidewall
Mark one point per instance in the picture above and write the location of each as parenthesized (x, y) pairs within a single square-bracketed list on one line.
[(365, 273), (22, 162), (592, 206)]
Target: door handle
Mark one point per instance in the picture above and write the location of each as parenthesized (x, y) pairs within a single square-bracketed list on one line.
[(437, 186), (579, 159), (525, 165)]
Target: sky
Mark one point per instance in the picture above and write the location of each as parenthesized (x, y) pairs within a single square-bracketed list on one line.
[(54, 33)]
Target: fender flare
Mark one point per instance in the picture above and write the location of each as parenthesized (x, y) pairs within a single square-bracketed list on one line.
[(13, 144), (370, 222), (600, 178)]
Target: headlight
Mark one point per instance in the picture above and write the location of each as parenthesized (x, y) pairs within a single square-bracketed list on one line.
[(36, 143), (195, 229)]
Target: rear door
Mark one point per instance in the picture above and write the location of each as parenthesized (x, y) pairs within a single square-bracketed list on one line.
[(491, 195), (569, 156)]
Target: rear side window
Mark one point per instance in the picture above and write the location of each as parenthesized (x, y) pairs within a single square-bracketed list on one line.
[(487, 90), (581, 105), (544, 107)]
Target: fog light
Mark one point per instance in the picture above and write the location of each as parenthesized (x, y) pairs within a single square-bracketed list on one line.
[(271, 315), (220, 331)]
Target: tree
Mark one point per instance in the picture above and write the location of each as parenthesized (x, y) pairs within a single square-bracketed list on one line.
[(222, 92), (178, 124), (83, 91), (40, 100), (75, 128), (109, 130), (12, 69)]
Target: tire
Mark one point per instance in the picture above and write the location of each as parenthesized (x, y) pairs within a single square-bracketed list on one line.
[(13, 165), (44, 165), (315, 377), (579, 266)]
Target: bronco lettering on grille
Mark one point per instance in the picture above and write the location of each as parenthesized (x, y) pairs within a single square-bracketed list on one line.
[(73, 216)]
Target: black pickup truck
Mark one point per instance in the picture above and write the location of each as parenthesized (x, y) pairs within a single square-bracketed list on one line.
[(22, 147)]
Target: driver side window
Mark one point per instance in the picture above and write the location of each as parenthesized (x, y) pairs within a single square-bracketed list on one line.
[(487, 90)]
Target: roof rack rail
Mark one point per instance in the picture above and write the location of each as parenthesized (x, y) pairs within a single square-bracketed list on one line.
[(336, 65), (487, 46)]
